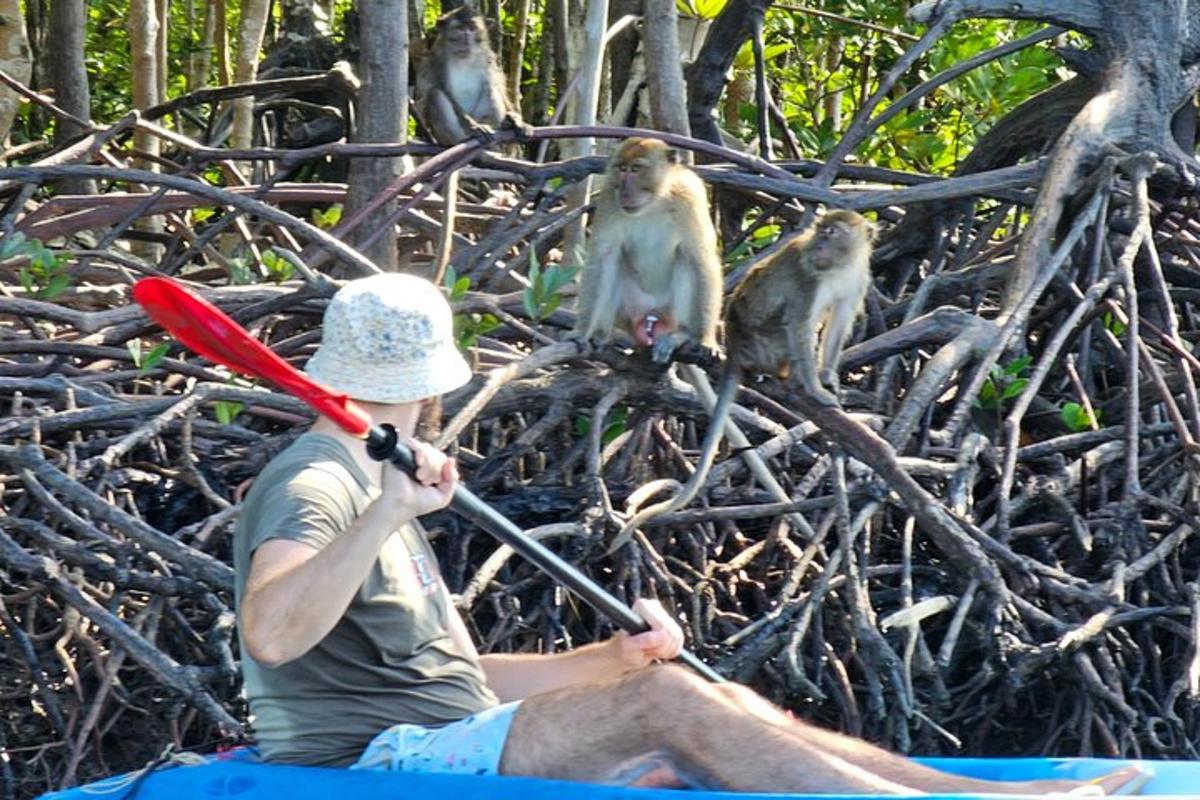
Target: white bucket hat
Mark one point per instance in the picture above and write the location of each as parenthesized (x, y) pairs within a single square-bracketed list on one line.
[(388, 339)]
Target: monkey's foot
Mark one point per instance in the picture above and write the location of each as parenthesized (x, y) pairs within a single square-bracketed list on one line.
[(698, 354), (823, 396), (664, 347)]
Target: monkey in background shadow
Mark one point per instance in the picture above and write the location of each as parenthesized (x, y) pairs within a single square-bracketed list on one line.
[(460, 89)]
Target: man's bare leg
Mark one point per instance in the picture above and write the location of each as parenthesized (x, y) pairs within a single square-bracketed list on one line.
[(583, 733), (716, 736), (900, 769)]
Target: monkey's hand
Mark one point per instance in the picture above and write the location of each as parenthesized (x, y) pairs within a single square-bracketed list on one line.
[(480, 132), (513, 122), (662, 351)]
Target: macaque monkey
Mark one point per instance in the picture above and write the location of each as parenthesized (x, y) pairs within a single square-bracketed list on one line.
[(771, 323), (460, 93), (460, 88), (653, 270)]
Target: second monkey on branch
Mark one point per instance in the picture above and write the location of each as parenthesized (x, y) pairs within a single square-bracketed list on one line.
[(653, 271)]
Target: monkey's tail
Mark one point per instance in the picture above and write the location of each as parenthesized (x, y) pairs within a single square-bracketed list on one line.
[(708, 454)]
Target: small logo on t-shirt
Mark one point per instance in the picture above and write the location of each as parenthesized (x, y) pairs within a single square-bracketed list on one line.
[(425, 574)]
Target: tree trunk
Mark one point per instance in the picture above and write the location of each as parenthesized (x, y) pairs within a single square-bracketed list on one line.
[(706, 77), (382, 117), (36, 15), (67, 27), (224, 73), (621, 51), (15, 59), (163, 13), (668, 95), (706, 80), (516, 54), (591, 65), (200, 62), (250, 39), (143, 47)]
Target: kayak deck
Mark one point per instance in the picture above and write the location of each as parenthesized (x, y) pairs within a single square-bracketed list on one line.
[(239, 776)]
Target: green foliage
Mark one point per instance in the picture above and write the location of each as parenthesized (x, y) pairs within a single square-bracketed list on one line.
[(820, 82), (701, 9), (328, 218), (45, 276), (616, 423), (543, 294), (1114, 324), (456, 287), (278, 268), (467, 327), (1003, 383), (763, 236), (227, 411), (1077, 418), (745, 55), (241, 273), (149, 360)]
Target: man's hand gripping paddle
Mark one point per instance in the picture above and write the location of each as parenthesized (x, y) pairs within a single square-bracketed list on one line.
[(207, 330)]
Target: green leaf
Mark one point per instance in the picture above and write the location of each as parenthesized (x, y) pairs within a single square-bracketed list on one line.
[(1018, 366), (1015, 388), (529, 302), (227, 411), (988, 395), (328, 218), (488, 323), (1114, 325), (57, 284), (152, 358), (461, 287), (240, 273), (202, 214), (1076, 417)]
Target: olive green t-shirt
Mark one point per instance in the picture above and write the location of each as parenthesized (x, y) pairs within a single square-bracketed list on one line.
[(389, 659)]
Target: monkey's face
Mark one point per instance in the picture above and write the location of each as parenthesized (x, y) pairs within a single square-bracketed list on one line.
[(462, 36), (636, 174), (833, 242)]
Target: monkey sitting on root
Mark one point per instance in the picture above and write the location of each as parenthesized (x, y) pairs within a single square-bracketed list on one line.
[(461, 91), (817, 282), (652, 271)]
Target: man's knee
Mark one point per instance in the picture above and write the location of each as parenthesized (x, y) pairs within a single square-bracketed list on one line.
[(739, 694), (667, 684)]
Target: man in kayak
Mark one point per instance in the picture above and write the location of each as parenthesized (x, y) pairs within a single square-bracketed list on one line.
[(354, 654)]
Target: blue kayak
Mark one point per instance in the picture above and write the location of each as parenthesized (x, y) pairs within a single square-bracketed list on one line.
[(238, 776)]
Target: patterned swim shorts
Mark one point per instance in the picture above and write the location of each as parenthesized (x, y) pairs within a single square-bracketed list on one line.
[(471, 746)]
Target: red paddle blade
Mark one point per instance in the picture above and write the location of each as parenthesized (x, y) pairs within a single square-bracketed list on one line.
[(207, 330)]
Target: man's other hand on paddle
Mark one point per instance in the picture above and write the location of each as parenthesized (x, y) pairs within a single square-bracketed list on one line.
[(662, 642)]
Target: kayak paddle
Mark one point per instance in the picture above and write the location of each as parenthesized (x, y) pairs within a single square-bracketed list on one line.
[(207, 330)]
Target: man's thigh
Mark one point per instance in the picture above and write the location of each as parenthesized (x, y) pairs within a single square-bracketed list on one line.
[(608, 732)]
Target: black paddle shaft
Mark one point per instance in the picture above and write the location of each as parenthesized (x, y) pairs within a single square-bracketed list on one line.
[(384, 445)]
